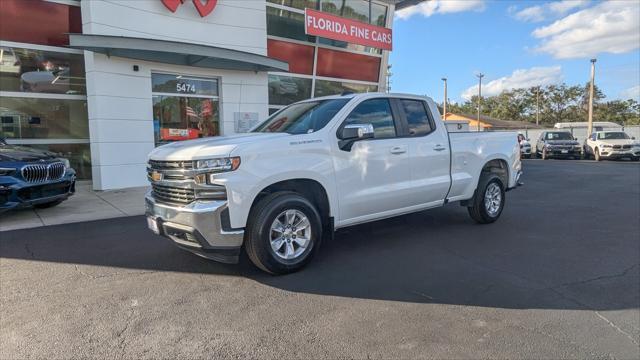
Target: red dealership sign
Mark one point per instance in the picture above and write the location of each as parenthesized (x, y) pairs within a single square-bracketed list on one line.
[(338, 28), (204, 8)]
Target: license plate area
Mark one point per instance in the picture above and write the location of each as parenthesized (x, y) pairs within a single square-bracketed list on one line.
[(565, 151), (152, 224)]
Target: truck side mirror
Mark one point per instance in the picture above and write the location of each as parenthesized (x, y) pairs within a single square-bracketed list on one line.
[(354, 132)]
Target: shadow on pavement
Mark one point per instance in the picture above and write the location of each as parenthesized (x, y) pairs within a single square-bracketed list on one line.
[(568, 240)]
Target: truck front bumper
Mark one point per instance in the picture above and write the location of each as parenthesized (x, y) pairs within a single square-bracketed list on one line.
[(200, 227)]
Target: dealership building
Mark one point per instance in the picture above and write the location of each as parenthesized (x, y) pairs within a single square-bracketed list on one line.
[(103, 82)]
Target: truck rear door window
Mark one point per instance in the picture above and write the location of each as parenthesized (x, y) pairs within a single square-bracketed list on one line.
[(417, 117)]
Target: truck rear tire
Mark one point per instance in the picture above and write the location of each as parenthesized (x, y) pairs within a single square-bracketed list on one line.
[(489, 199), (283, 233)]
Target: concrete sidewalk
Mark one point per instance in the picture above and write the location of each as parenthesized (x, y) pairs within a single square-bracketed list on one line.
[(85, 205)]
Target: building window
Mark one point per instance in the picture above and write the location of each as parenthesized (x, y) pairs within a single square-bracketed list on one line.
[(284, 90), (38, 118), (286, 24), (39, 22), (184, 107), (38, 71), (346, 65), (299, 57), (297, 4), (326, 88), (357, 10)]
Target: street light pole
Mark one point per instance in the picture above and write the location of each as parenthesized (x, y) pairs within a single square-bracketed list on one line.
[(444, 107), (538, 106), (480, 76), (593, 76)]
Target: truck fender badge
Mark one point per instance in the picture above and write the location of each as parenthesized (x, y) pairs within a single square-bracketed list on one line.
[(302, 142), (204, 8)]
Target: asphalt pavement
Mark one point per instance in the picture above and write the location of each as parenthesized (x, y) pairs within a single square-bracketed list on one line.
[(558, 276)]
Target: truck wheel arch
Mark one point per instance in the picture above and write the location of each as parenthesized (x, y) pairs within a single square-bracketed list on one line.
[(310, 189), (499, 167)]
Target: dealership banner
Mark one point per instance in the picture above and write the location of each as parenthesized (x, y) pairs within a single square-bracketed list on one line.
[(330, 26)]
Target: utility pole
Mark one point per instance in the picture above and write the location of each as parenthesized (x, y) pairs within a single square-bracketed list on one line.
[(444, 107), (591, 86), (538, 106), (480, 76), (389, 78)]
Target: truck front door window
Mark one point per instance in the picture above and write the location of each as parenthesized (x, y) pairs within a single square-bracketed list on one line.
[(376, 112)]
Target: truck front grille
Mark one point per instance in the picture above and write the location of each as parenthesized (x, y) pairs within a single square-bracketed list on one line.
[(43, 172), (170, 194), (170, 165)]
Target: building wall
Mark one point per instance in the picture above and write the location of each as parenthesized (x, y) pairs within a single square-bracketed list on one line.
[(233, 24), (120, 99)]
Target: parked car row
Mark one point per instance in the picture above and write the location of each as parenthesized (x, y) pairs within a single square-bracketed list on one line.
[(32, 177), (599, 146)]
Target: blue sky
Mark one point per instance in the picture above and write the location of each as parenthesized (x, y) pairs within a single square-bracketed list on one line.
[(516, 44)]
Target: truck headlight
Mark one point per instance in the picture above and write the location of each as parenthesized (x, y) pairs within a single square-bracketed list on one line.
[(219, 165)]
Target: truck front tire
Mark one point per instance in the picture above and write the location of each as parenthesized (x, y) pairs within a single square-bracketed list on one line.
[(489, 199), (283, 233)]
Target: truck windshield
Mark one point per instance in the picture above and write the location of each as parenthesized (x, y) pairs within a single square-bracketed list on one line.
[(302, 118)]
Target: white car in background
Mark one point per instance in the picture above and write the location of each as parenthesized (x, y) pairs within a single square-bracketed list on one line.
[(612, 145), (525, 146)]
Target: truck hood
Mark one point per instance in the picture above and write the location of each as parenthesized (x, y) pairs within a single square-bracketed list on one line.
[(207, 148)]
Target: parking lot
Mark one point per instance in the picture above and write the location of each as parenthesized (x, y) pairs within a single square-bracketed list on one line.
[(558, 276)]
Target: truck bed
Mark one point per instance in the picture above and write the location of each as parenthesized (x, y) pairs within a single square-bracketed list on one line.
[(471, 150)]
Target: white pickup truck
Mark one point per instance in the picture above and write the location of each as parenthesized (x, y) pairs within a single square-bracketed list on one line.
[(319, 165)]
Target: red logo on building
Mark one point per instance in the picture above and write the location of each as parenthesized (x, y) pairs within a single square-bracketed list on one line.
[(204, 7)]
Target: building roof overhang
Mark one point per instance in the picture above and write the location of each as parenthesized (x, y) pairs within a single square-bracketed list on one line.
[(178, 53)]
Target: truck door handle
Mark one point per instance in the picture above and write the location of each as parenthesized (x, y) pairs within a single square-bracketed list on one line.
[(439, 148), (398, 150)]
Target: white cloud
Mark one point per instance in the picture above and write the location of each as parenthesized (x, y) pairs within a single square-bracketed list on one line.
[(610, 26), (428, 8), (564, 6), (521, 78), (546, 11), (631, 93), (530, 14)]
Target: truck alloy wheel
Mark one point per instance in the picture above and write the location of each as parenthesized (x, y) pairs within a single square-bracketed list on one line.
[(283, 232), (290, 234), (489, 199)]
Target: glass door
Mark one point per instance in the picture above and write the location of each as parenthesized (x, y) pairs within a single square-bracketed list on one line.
[(184, 108)]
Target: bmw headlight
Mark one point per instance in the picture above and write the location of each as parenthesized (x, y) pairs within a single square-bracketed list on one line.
[(219, 165), (606, 146), (66, 162)]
